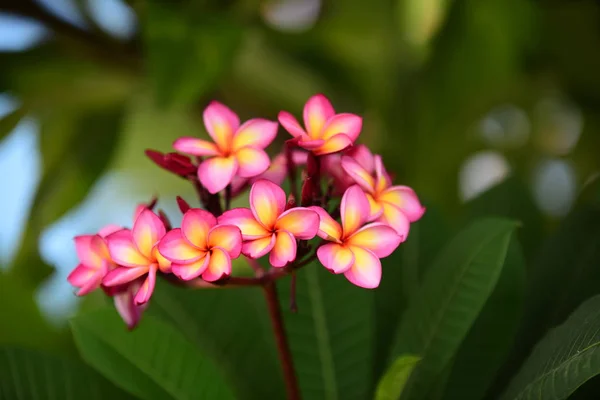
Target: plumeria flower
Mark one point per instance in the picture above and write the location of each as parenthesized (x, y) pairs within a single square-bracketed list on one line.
[(276, 172), (94, 261), (325, 131), (396, 206), (136, 253), (201, 247), (236, 149), (331, 165), (355, 249), (266, 227)]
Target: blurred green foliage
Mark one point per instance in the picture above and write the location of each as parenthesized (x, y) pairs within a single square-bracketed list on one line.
[(424, 74)]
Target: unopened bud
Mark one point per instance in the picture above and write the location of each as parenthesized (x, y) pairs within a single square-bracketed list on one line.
[(183, 205), (308, 192), (291, 202), (163, 217), (172, 162)]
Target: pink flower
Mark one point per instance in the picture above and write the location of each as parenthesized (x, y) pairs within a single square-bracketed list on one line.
[(326, 132), (137, 255), (276, 173), (396, 206), (201, 247), (94, 261), (331, 165), (236, 149), (266, 227), (355, 249)]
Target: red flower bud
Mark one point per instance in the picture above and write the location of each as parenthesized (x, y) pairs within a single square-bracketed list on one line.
[(173, 162), (308, 192), (183, 205)]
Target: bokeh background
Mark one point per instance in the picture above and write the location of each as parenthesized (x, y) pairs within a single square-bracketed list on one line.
[(462, 97)]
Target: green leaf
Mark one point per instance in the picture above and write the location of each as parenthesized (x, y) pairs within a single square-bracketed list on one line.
[(27, 326), (393, 382), (488, 342), (563, 360), (402, 275), (565, 273), (232, 328), (76, 150), (30, 375), (10, 121), (331, 335), (454, 291), (187, 54), (153, 361)]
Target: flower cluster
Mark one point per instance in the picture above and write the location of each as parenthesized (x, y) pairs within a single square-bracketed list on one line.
[(339, 181)]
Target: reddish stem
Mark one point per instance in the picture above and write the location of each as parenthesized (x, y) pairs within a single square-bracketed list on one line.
[(283, 348)]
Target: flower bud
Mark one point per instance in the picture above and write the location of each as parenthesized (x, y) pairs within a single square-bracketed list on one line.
[(183, 205)]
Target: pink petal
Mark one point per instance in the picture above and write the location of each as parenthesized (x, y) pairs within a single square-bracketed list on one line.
[(87, 254), (335, 257), (395, 218), (366, 270), (363, 156), (334, 144), (382, 179), (145, 291), (329, 229), (219, 265), (87, 279), (311, 144), (406, 200), (258, 247), (284, 250), (217, 172), (244, 219), (251, 162), (376, 208), (377, 237), (267, 202), (176, 248), (359, 174), (348, 124), (123, 275), (195, 147), (196, 224), (147, 230), (123, 250), (317, 111), (238, 185), (226, 237), (257, 133), (277, 172), (354, 210), (191, 270), (129, 312), (301, 222), (291, 124), (221, 123), (108, 229)]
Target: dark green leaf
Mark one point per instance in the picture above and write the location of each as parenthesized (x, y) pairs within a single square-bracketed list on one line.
[(392, 384), (29, 375), (27, 327), (454, 291), (331, 335), (153, 361), (565, 273), (187, 52), (486, 346), (564, 359), (402, 275), (230, 326), (76, 150)]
